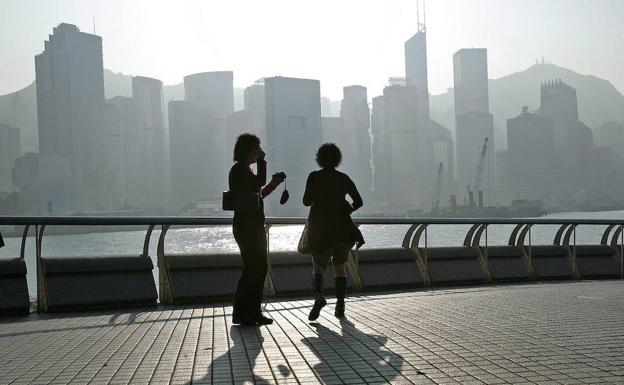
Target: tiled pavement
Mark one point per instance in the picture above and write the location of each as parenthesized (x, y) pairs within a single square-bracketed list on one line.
[(564, 333)]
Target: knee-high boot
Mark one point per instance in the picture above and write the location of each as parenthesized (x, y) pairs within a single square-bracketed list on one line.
[(341, 290), (319, 300)]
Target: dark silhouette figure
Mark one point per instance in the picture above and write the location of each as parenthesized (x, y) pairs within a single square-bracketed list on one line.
[(331, 232), (369, 347), (248, 228)]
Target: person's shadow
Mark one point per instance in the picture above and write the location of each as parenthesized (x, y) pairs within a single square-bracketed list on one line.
[(239, 360), (369, 347)]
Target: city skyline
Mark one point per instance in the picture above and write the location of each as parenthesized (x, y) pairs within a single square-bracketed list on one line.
[(374, 38)]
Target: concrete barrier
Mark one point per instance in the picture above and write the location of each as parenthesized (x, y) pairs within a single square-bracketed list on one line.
[(13, 288), (506, 263), (551, 262), (292, 274), (454, 265), (597, 261), (199, 278), (388, 268), (77, 283)]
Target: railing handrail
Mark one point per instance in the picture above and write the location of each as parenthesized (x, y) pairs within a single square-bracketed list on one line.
[(199, 221)]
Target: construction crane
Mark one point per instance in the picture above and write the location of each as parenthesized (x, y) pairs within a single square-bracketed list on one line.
[(478, 176), (438, 189)]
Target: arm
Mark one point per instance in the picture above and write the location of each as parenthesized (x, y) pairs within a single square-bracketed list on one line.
[(355, 195), (275, 181), (307, 195)]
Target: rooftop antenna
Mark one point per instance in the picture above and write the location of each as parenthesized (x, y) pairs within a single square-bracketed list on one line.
[(94, 25), (421, 25)]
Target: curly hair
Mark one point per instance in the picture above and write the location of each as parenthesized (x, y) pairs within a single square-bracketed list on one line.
[(244, 144), (328, 156)]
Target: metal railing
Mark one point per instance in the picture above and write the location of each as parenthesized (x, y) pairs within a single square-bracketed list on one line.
[(415, 238)]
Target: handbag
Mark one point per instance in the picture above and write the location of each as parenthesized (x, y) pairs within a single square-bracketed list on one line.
[(304, 245), (244, 202)]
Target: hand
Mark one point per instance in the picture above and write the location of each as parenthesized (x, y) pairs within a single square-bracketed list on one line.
[(279, 177), (261, 154)]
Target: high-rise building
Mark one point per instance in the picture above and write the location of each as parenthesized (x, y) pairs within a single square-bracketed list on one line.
[(406, 147), (193, 177), (293, 116), (356, 150), (558, 102), (70, 103), (381, 173), (531, 157), (474, 124), (9, 152), (573, 139), (254, 97), (148, 96), (416, 69), (213, 92), (123, 138)]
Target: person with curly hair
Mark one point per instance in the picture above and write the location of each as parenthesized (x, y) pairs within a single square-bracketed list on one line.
[(331, 232)]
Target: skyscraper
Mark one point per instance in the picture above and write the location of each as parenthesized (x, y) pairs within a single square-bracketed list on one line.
[(531, 156), (558, 102), (193, 176), (213, 92), (70, 102), (293, 115), (356, 150), (573, 139), (473, 122), (404, 143), (148, 96), (416, 69)]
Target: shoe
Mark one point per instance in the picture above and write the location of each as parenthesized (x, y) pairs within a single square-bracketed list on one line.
[(262, 320), (341, 290), (319, 303), (339, 310)]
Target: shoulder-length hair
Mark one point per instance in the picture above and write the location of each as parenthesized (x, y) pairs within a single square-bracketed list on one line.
[(245, 143)]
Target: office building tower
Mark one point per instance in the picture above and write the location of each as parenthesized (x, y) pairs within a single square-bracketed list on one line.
[(148, 96), (531, 156), (356, 149), (293, 116), (70, 102), (473, 124)]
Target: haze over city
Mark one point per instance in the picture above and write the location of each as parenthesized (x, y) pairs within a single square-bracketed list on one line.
[(449, 108), (338, 42)]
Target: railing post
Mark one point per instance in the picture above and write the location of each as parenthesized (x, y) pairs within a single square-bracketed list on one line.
[(42, 299), (269, 287), (621, 251), (164, 286)]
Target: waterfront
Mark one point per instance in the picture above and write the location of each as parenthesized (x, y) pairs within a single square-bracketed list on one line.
[(219, 239)]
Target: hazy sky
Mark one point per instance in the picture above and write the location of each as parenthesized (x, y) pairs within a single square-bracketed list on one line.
[(340, 42)]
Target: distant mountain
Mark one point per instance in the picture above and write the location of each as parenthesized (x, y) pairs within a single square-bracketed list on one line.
[(599, 101)]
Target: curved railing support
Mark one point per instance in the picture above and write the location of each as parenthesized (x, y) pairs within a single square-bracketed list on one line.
[(164, 283), (416, 232)]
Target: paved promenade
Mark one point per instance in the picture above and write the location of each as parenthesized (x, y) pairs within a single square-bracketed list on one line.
[(562, 333)]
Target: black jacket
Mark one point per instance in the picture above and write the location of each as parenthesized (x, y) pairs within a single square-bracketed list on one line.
[(329, 221), (242, 179)]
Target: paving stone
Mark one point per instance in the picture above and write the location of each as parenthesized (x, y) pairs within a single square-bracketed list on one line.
[(509, 334)]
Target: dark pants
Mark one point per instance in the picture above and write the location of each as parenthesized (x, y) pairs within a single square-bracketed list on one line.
[(251, 239)]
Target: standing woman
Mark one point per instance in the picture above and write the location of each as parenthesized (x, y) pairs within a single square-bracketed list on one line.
[(248, 227), (331, 232)]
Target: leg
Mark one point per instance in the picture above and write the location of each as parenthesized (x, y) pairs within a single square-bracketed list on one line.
[(320, 262), (340, 253), (252, 244)]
